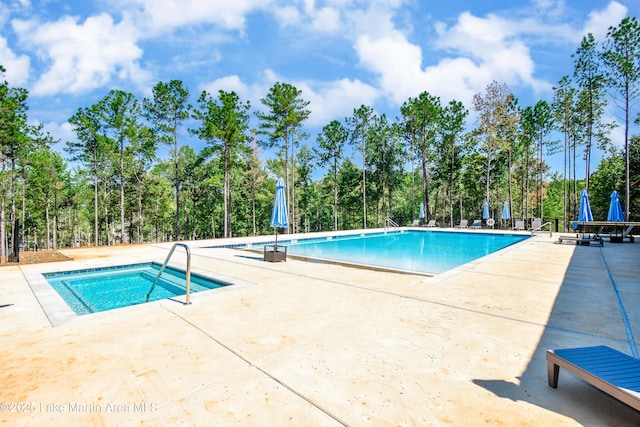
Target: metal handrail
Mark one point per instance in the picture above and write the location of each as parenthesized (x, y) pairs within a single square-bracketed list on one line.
[(187, 273), (392, 223), (540, 229)]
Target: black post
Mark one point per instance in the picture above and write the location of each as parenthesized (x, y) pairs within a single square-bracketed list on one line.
[(15, 255)]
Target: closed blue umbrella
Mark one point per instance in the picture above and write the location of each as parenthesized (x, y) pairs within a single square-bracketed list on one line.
[(615, 210), (485, 210), (505, 211), (584, 215), (279, 216), (421, 214)]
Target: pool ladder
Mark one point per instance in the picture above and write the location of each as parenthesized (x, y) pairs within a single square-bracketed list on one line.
[(187, 273), (391, 223), (540, 229)]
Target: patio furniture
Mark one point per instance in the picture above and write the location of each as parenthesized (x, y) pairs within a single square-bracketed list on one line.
[(431, 223), (609, 370), (519, 225), (536, 223), (616, 237), (477, 223), (583, 240), (463, 224)]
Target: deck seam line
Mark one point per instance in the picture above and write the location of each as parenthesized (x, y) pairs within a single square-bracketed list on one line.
[(623, 312), (258, 368)]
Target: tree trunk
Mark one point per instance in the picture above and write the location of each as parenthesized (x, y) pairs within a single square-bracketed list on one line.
[(3, 230), (177, 186), (364, 185), (425, 186), (122, 227), (95, 204)]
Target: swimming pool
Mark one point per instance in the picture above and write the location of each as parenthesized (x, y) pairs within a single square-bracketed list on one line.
[(425, 252), (102, 289)]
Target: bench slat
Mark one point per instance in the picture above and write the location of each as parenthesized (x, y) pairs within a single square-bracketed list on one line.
[(611, 371)]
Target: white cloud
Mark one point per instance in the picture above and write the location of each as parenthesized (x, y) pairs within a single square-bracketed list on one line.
[(162, 16), (82, 56), (229, 84), (335, 100), (327, 100), (600, 20), (16, 66)]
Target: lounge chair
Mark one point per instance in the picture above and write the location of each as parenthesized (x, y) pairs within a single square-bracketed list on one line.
[(415, 223), (431, 223), (463, 224), (519, 225), (536, 223), (613, 372), (595, 240), (626, 234), (477, 223)]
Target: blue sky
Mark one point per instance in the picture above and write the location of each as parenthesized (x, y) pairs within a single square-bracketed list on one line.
[(340, 53)]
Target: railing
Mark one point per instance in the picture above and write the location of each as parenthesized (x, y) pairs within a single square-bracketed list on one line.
[(540, 229), (187, 273), (391, 223)]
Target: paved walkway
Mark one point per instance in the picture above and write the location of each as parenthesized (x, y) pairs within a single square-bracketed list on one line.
[(302, 343)]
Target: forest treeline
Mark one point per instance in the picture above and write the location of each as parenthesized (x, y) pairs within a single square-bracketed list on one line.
[(110, 186)]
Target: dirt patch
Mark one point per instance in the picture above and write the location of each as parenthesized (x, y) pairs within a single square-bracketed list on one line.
[(37, 257)]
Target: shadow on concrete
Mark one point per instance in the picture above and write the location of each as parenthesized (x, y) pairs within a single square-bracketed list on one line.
[(599, 286)]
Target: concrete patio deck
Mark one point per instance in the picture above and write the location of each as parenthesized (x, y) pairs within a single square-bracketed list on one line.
[(313, 344)]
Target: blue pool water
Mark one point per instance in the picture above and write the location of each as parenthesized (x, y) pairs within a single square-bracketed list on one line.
[(427, 252), (101, 289)]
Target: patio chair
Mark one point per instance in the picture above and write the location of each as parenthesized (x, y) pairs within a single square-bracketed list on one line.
[(463, 224), (519, 225), (596, 240), (627, 234), (415, 223), (615, 237), (477, 223), (536, 223), (431, 223), (609, 370)]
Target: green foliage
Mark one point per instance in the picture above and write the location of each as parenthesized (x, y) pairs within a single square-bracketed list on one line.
[(119, 189)]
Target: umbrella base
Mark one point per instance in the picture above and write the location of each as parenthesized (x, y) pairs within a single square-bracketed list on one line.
[(274, 253)]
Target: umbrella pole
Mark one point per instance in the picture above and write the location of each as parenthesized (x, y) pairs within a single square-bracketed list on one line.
[(275, 247)]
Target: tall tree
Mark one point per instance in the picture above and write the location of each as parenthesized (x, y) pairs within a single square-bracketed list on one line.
[(224, 123), (544, 125), (330, 153), (621, 57), (387, 161), (360, 124), (422, 117), (254, 177), (453, 125), (17, 140), (89, 149), (167, 111), (563, 108), (494, 118), (590, 78), (119, 111), (287, 111)]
